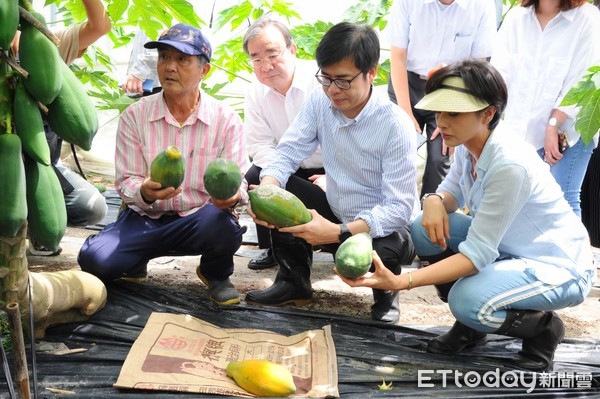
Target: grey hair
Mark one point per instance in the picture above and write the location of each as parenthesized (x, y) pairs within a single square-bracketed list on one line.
[(203, 60), (260, 24)]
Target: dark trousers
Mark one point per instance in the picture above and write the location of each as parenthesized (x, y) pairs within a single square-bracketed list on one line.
[(125, 246), (253, 177), (590, 197), (436, 165), (394, 249)]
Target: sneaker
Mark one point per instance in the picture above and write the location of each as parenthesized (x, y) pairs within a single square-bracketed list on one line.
[(221, 292), (36, 249)]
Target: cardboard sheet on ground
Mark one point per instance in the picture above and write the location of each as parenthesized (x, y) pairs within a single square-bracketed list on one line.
[(185, 354)]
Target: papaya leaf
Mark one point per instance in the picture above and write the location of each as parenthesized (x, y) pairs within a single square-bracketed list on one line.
[(70, 11), (284, 9), (230, 58), (586, 95), (308, 36), (181, 10), (116, 9), (578, 93), (119, 38), (382, 74), (588, 119), (235, 15), (369, 12)]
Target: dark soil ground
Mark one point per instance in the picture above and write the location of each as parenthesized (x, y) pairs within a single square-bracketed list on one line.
[(419, 306)]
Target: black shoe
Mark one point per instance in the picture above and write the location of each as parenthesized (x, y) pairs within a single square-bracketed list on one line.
[(459, 337), (263, 261)]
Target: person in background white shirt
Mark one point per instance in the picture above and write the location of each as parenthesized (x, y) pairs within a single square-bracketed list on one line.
[(142, 79), (543, 49), (272, 102)]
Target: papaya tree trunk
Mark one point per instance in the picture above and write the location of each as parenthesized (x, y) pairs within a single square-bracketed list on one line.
[(13, 269)]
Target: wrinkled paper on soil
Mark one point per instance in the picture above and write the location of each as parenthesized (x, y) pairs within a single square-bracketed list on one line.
[(186, 354)]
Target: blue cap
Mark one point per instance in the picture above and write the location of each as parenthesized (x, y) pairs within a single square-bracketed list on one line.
[(187, 39)]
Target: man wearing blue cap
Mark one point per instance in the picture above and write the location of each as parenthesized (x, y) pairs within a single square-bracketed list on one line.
[(167, 221)]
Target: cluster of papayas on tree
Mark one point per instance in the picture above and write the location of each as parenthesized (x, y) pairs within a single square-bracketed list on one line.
[(39, 86)]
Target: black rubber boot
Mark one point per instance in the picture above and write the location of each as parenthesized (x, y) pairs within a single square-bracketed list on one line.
[(292, 283), (386, 306), (459, 337), (541, 333), (442, 289)]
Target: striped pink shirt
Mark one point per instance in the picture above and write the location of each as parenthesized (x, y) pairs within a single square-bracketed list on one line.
[(147, 127)]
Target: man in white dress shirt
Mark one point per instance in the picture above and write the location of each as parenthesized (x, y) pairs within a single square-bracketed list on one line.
[(272, 102), (424, 35)]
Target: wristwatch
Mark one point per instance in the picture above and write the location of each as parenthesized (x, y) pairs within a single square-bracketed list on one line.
[(553, 122), (344, 233)]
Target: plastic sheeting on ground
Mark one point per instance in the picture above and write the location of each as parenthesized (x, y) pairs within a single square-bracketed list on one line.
[(366, 352)]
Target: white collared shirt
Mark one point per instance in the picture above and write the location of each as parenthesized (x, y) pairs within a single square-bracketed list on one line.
[(268, 114), (434, 33), (540, 66)]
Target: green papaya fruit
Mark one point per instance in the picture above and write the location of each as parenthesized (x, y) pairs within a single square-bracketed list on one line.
[(13, 207), (222, 178), (9, 21), (72, 114), (168, 168), (47, 213), (29, 126), (277, 206), (40, 58), (354, 256)]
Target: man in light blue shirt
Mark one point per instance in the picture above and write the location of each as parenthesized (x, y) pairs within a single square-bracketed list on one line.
[(369, 152)]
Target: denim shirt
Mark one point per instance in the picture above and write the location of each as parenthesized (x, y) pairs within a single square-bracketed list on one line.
[(518, 210)]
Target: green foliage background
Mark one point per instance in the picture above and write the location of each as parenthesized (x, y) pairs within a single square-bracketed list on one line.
[(153, 16)]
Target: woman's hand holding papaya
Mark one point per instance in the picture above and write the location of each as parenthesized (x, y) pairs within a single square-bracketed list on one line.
[(382, 278)]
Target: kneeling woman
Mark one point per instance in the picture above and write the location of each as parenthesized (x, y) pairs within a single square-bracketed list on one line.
[(520, 253)]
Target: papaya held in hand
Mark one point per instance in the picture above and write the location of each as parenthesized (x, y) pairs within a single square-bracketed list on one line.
[(168, 168), (222, 178), (354, 256), (277, 206), (262, 377)]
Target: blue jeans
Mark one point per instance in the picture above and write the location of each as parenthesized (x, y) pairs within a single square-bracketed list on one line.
[(480, 301), (569, 172)]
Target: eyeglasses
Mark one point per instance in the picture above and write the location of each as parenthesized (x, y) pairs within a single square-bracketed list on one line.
[(270, 59), (343, 84)]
